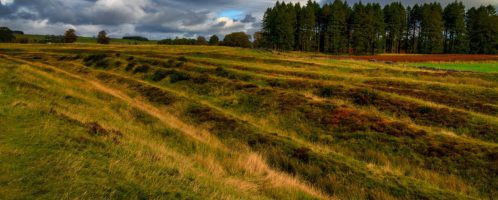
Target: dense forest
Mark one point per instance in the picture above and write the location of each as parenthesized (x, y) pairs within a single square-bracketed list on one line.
[(370, 28)]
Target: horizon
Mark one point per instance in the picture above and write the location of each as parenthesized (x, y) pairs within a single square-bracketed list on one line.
[(154, 19)]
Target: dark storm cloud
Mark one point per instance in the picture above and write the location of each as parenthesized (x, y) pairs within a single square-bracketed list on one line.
[(249, 19), (154, 18)]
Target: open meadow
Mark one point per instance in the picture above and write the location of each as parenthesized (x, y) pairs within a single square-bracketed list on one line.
[(86, 121)]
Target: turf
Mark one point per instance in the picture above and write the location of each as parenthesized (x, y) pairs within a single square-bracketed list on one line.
[(197, 122), (472, 66)]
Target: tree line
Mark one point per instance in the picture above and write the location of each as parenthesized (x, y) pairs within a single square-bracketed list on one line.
[(370, 28), (236, 39)]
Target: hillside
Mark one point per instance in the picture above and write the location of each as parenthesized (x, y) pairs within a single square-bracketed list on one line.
[(190, 122)]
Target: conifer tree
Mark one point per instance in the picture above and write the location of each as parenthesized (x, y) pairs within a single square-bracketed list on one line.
[(455, 33), (396, 22), (431, 34), (336, 27), (307, 29), (414, 23), (482, 25)]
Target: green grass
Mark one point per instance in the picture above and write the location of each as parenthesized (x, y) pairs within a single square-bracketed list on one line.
[(228, 123), (462, 66)]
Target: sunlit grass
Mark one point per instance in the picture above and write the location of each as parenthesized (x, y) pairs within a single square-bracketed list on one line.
[(244, 124)]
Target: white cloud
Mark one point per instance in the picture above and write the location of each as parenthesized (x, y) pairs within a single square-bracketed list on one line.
[(6, 2)]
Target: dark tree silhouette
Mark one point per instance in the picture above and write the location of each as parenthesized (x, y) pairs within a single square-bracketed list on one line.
[(102, 38), (70, 36)]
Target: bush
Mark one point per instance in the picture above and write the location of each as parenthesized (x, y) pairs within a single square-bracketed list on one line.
[(201, 79), (99, 60), (95, 57), (182, 59), (177, 76), (179, 64), (141, 69), (302, 154), (364, 97), (327, 91), (159, 75), (102, 64), (130, 66), (117, 64), (220, 71)]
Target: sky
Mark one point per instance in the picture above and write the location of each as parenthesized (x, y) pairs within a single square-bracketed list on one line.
[(155, 19)]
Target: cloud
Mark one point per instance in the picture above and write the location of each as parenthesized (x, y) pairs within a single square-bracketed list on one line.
[(6, 2), (249, 19), (152, 18)]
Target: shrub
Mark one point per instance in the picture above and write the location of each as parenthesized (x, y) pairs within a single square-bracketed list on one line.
[(250, 102), (182, 59), (327, 91), (117, 64), (424, 110), (364, 97), (302, 154), (201, 79), (141, 69), (220, 71), (171, 63), (102, 64), (177, 76), (97, 60), (179, 64), (130, 66), (93, 58), (159, 75)]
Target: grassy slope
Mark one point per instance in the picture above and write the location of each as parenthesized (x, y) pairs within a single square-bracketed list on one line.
[(351, 129)]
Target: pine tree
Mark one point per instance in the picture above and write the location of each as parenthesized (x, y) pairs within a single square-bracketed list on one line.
[(279, 26), (297, 28), (455, 33), (378, 28), (367, 28), (358, 27), (482, 25), (307, 33), (396, 22), (431, 34), (414, 23), (336, 27)]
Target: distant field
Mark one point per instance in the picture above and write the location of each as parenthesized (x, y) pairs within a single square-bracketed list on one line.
[(87, 121), (462, 66), (423, 58)]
